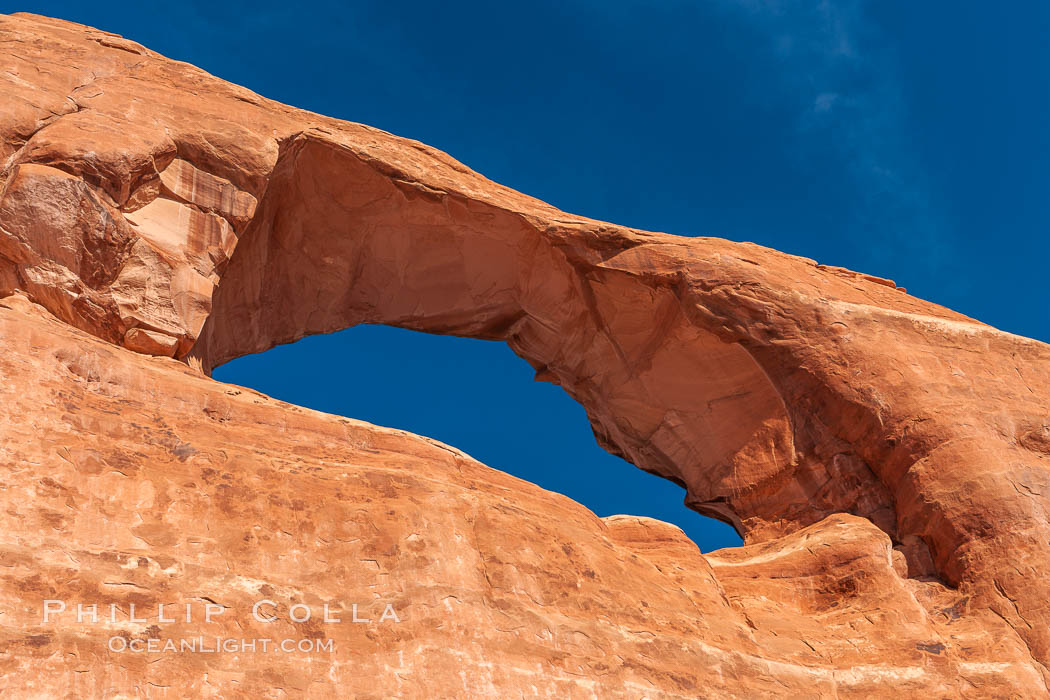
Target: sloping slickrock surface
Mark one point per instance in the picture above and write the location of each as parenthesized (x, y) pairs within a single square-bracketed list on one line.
[(886, 459)]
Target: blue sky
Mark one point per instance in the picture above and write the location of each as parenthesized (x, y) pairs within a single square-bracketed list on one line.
[(908, 140)]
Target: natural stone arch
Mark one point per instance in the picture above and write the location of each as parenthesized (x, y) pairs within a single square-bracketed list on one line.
[(336, 243)]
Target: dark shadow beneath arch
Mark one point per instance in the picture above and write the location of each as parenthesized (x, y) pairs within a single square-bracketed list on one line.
[(477, 396)]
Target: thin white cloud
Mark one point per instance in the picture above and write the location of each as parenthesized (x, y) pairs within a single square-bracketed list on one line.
[(824, 102), (845, 78)]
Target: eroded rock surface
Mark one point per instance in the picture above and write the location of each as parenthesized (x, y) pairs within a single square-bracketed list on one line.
[(886, 459)]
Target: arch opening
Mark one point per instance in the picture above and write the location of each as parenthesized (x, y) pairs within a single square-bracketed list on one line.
[(478, 397)]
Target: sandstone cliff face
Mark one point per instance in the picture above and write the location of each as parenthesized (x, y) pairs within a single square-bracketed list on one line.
[(886, 459)]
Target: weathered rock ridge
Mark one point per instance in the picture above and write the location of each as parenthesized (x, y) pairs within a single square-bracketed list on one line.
[(886, 459)]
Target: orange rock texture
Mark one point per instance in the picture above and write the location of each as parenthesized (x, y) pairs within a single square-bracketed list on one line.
[(885, 459)]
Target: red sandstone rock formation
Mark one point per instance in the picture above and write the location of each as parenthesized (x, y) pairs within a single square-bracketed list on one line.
[(885, 459)]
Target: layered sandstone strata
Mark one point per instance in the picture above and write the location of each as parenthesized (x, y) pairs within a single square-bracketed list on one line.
[(884, 458)]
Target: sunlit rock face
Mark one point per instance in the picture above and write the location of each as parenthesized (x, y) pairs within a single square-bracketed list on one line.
[(884, 458)]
